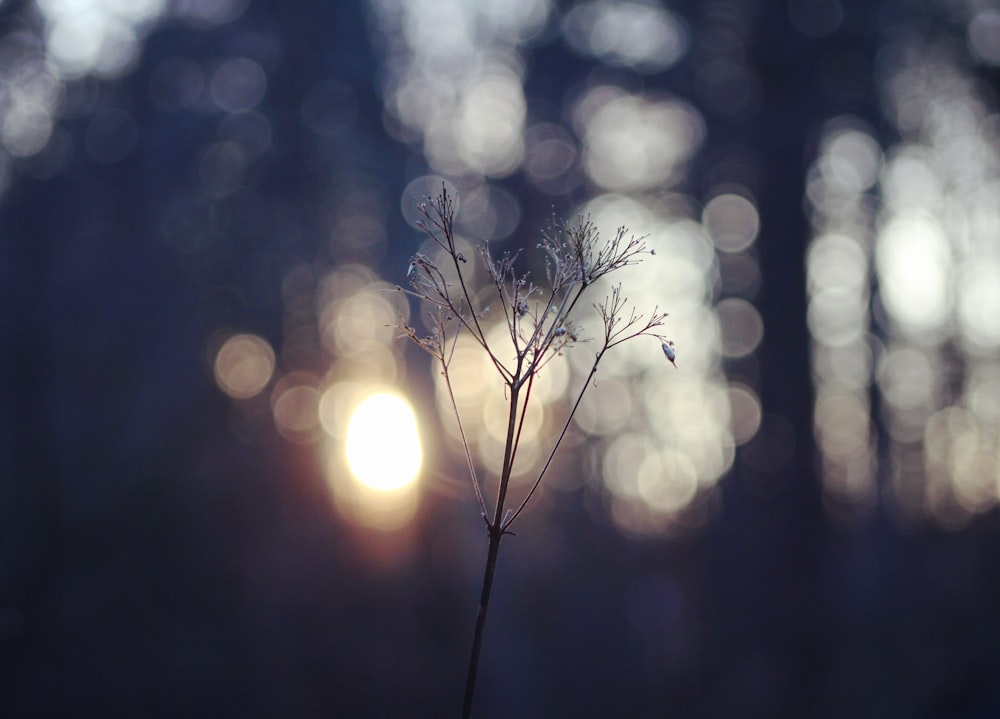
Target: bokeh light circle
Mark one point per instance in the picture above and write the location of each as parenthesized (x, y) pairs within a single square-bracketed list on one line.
[(244, 365), (383, 444)]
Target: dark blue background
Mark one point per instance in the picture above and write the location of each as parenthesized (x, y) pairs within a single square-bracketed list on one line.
[(153, 565)]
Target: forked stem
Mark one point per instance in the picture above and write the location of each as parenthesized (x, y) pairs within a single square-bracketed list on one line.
[(574, 263)]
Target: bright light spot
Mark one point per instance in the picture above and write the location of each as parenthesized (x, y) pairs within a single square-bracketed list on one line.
[(336, 406), (626, 459), (244, 365), (850, 363), (837, 276), (357, 322), (693, 415), (383, 445), (909, 181), (606, 407), (616, 210), (26, 129), (837, 317), (914, 268), (683, 241), (938, 297), (551, 382), (483, 405), (472, 379), (648, 485), (489, 124), (836, 262), (631, 34), (979, 304), (515, 19), (345, 281), (441, 31), (29, 99), (668, 481), (633, 143), (97, 36), (852, 160)]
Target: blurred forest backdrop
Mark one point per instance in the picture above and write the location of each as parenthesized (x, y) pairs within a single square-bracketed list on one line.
[(201, 203)]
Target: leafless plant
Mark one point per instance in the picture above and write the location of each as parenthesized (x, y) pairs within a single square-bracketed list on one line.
[(539, 320)]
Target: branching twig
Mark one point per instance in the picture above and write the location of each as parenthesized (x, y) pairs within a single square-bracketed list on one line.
[(540, 325)]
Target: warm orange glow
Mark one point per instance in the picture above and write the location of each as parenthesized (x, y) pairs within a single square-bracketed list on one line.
[(383, 445), (374, 455)]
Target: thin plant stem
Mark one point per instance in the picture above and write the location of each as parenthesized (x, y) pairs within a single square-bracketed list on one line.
[(508, 456), (524, 414), (496, 532), (465, 442), (484, 605)]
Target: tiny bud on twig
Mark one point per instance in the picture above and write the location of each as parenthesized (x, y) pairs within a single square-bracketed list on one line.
[(668, 350)]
